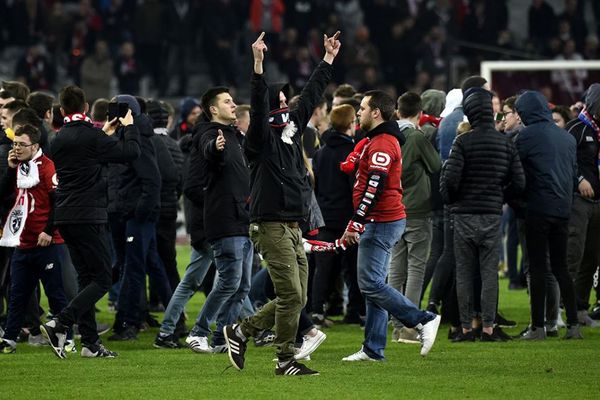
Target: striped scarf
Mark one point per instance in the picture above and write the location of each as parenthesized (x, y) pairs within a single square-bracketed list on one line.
[(587, 119)]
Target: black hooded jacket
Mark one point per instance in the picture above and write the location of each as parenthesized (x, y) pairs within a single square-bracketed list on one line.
[(227, 181), (483, 164), (80, 153), (333, 187), (138, 196), (548, 154), (587, 141), (280, 186)]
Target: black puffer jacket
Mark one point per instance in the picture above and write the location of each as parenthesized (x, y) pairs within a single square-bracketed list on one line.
[(139, 192), (483, 163), (170, 163), (333, 188)]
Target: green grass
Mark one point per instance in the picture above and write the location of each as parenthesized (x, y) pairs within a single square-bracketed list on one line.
[(550, 369)]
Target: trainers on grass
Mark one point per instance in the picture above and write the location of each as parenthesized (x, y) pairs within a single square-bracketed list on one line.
[(163, 341), (359, 356), (236, 346), (96, 351), (310, 344), (293, 368), (198, 344), (428, 333), (56, 334), (6, 347)]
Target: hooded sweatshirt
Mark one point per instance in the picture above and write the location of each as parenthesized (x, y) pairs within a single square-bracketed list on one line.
[(483, 165), (587, 141), (433, 102), (453, 115), (548, 155)]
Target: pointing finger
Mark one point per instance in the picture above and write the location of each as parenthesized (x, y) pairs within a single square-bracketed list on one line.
[(262, 35), (336, 35)]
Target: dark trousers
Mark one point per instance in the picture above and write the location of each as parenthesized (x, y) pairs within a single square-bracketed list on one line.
[(89, 246), (141, 257), (166, 234), (545, 235), (327, 265), (27, 268), (512, 243), (437, 247), (583, 252), (444, 270)]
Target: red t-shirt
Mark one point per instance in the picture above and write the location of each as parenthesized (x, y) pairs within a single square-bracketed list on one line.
[(39, 205), (382, 154)]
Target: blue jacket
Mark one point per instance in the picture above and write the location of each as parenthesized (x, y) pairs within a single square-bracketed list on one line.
[(548, 155), (447, 131)]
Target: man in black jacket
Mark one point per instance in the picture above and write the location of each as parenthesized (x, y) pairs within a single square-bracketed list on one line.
[(482, 166), (583, 252), (549, 159), (333, 189), (80, 151), (138, 199), (279, 201), (226, 216)]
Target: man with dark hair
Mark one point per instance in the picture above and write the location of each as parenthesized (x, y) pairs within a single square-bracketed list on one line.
[(474, 81), (549, 157), (483, 168), (31, 230), (410, 254), (226, 217), (15, 89), (80, 151), (343, 92), (99, 112), (242, 117), (280, 197), (379, 218), (8, 111), (41, 102)]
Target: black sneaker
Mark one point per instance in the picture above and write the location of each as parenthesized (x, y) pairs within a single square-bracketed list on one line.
[(265, 338), (236, 346), (294, 368), (595, 314), (167, 342), (96, 351), (503, 322), (494, 337), (56, 334), (6, 348), (129, 333), (453, 333), (501, 334), (432, 308), (464, 337)]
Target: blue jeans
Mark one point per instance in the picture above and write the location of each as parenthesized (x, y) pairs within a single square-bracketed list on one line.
[(374, 254), (233, 259), (141, 257), (195, 272)]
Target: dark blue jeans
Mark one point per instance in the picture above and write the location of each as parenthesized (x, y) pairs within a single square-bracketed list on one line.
[(233, 259), (374, 255), (141, 257), (27, 267)]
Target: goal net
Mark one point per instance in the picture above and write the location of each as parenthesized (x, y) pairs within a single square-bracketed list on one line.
[(561, 81)]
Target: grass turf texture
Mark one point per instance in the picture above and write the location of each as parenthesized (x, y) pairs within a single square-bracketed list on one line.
[(550, 369)]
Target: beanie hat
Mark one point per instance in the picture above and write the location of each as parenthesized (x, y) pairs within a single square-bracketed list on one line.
[(157, 113)]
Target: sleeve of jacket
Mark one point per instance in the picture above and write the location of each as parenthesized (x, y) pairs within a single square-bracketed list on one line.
[(312, 93), (259, 129), (516, 177), (208, 141), (111, 149), (194, 184), (452, 173), (166, 165), (147, 172), (431, 159), (4, 149)]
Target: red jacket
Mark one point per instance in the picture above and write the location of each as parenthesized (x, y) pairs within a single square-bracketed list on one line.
[(378, 189), (39, 205)]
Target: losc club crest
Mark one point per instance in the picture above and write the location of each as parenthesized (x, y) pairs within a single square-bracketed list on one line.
[(24, 168), (16, 219)]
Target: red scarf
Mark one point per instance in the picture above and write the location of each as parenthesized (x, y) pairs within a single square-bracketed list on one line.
[(76, 117)]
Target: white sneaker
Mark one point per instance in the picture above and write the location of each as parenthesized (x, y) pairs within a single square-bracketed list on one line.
[(37, 340), (310, 344), (560, 322), (427, 334), (198, 344), (359, 356)]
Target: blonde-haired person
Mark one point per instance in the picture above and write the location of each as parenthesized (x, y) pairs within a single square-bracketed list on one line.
[(463, 127)]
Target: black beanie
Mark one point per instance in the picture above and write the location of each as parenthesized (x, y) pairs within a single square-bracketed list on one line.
[(157, 113)]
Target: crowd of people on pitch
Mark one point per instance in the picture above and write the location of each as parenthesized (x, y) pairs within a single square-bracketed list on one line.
[(384, 196)]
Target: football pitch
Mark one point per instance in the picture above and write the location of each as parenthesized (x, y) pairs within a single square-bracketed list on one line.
[(541, 370)]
